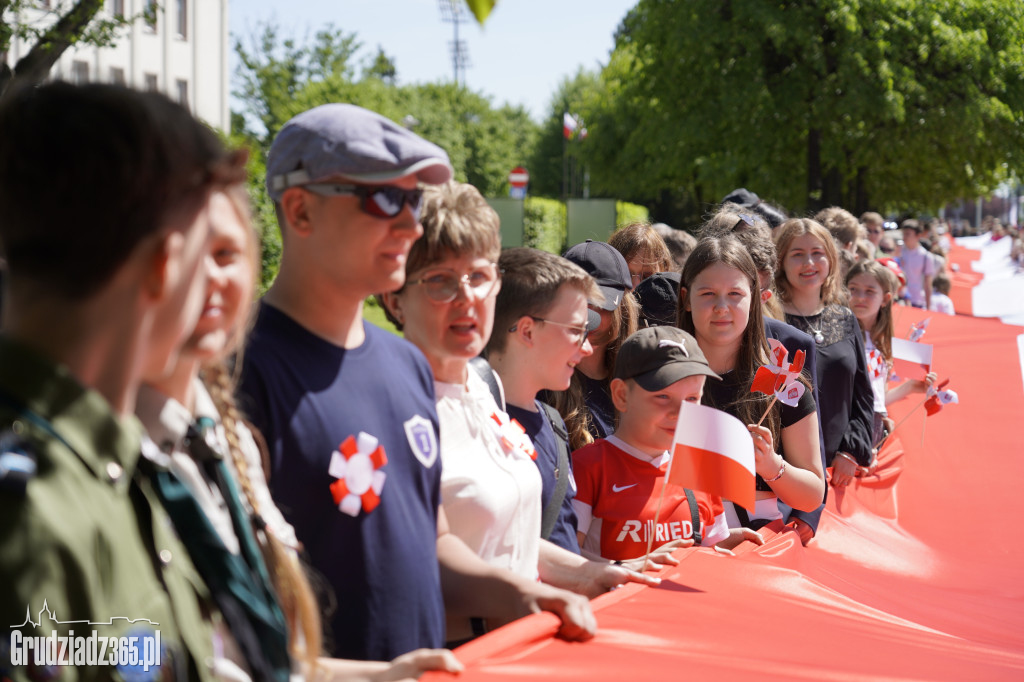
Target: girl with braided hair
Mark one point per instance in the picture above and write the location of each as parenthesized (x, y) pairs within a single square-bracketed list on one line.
[(191, 415)]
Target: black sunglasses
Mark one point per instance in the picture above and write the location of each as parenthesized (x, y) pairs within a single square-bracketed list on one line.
[(384, 201)]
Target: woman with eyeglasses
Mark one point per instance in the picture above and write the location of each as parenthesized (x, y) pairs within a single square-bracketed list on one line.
[(490, 486)]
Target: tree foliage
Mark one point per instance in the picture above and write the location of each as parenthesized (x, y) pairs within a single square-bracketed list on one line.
[(382, 67), (862, 103)]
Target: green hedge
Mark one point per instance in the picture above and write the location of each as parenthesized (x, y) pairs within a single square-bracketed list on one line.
[(544, 224), (626, 213)]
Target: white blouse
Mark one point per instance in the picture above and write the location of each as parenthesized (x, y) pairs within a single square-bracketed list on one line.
[(490, 486)]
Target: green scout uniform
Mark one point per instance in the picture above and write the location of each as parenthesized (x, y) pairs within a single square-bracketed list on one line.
[(85, 534)]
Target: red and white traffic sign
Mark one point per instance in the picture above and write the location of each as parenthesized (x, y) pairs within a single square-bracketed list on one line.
[(519, 177)]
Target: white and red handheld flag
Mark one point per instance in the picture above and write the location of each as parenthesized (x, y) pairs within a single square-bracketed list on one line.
[(911, 360), (779, 378), (713, 452), (937, 398), (918, 329)]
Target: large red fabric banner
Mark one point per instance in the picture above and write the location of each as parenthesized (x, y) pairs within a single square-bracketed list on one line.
[(917, 572)]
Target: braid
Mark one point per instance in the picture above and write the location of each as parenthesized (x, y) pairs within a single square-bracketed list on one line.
[(290, 583)]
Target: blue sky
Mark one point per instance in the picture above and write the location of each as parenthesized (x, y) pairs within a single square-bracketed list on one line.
[(519, 56)]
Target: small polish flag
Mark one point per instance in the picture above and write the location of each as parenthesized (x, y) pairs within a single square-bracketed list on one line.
[(911, 360), (713, 452), (569, 125)]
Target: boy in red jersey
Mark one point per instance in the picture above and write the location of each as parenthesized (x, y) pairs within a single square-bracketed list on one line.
[(620, 478)]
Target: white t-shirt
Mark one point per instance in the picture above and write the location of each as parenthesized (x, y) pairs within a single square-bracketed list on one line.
[(490, 490), (878, 371), (916, 264), (942, 304)]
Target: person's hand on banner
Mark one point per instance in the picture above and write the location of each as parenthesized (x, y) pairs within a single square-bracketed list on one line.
[(738, 535), (844, 468), (803, 529), (603, 577), (660, 557), (578, 621)]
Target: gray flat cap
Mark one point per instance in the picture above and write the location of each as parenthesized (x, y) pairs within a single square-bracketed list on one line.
[(343, 141)]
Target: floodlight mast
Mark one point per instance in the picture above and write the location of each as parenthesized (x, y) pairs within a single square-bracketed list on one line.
[(453, 12)]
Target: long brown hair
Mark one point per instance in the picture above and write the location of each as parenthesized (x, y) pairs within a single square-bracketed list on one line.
[(641, 240), (882, 331), (754, 350)]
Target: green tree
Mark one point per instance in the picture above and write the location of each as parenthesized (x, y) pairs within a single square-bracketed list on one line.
[(861, 103), (382, 67), (49, 39), (272, 70)]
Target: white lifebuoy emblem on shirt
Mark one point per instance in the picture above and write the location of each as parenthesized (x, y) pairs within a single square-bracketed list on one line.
[(356, 465), (422, 440)]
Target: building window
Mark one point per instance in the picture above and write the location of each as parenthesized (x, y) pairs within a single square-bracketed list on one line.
[(151, 84), (117, 8), (150, 13), (182, 86), (117, 75), (183, 18), (79, 72)]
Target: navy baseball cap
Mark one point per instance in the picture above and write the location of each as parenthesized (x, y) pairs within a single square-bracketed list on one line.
[(742, 196), (608, 268), (346, 142), (658, 296)]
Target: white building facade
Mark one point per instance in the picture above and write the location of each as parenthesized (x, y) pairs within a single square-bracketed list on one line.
[(183, 54)]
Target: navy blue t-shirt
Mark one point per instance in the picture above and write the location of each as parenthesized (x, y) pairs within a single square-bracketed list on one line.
[(376, 546), (545, 442)]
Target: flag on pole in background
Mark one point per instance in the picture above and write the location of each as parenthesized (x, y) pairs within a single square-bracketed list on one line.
[(572, 126), (569, 125), (713, 452)]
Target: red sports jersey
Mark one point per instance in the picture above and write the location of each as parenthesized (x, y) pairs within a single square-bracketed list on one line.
[(623, 492)]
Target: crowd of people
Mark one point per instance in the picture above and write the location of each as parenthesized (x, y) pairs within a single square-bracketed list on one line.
[(287, 490)]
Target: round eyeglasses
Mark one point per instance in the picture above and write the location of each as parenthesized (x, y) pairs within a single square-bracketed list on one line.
[(442, 286), (579, 331)]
